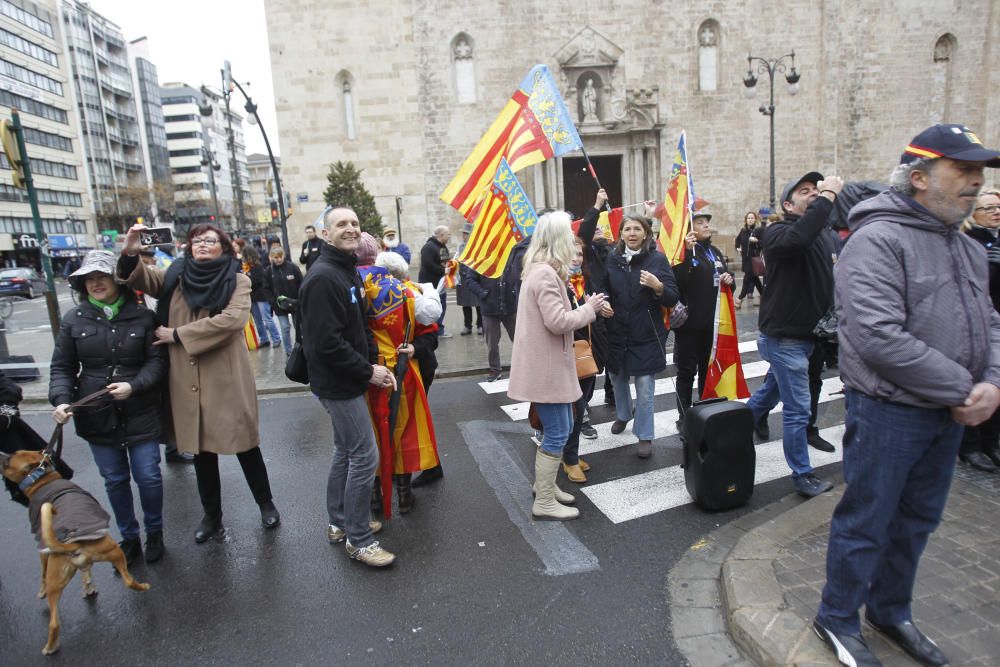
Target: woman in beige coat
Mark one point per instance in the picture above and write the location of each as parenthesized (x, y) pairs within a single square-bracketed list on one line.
[(543, 366), (203, 306)]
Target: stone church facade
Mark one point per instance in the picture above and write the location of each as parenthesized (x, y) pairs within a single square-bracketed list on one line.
[(405, 89)]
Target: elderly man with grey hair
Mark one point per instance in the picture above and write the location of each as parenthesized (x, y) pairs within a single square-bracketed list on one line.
[(920, 359), (434, 257)]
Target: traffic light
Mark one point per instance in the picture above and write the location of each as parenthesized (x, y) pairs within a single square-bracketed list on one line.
[(13, 154), (274, 210)]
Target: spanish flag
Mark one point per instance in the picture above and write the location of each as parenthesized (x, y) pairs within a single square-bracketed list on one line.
[(450, 274), (675, 214), (506, 216), (725, 368), (534, 126)]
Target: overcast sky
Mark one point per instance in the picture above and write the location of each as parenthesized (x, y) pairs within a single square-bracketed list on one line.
[(190, 39)]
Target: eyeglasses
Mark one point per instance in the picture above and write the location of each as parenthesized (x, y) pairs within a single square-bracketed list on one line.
[(205, 241), (993, 208)]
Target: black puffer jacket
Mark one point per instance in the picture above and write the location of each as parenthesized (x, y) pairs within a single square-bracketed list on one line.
[(282, 280), (696, 283), (259, 289), (637, 336), (91, 353), (992, 246)]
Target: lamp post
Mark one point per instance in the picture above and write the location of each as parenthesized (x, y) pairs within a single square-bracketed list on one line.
[(254, 119), (208, 160), (785, 65)]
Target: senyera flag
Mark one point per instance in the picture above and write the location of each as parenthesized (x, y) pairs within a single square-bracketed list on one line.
[(450, 274), (725, 368), (675, 214), (533, 126), (506, 216), (608, 224)]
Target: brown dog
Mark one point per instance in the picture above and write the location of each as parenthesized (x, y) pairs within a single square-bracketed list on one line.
[(60, 560)]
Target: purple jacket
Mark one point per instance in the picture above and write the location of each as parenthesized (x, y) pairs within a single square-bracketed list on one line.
[(916, 324)]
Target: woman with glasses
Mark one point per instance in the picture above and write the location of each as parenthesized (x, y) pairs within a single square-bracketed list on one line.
[(980, 447), (203, 306)]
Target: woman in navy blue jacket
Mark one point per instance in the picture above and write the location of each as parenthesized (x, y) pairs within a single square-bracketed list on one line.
[(639, 284)]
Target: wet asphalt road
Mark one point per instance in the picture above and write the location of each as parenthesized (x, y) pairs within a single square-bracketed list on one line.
[(467, 587)]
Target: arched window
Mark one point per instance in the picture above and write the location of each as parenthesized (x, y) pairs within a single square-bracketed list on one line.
[(708, 55), (464, 66), (941, 76), (345, 86)]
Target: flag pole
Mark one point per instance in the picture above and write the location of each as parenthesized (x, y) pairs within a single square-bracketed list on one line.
[(593, 173)]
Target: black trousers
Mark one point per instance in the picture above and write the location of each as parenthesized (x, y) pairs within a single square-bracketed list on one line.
[(467, 316), (206, 468), (571, 452), (692, 349), (750, 280), (982, 438)]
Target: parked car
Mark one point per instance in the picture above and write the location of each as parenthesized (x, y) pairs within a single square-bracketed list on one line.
[(21, 281)]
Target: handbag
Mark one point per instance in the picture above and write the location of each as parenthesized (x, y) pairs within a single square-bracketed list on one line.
[(826, 328), (586, 366), (757, 266), (296, 368)]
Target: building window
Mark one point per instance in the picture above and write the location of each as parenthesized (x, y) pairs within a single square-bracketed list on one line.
[(42, 138), (45, 168), (33, 107), (22, 45), (57, 197), (944, 48), (25, 75), (24, 17), (708, 56), (464, 66), (345, 83), (939, 100)]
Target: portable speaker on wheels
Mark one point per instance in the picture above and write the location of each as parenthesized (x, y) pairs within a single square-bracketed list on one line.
[(719, 456)]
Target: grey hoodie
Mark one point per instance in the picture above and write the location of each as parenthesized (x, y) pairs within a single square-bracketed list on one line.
[(916, 324)]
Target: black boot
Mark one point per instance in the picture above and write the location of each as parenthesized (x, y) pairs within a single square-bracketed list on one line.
[(269, 516), (132, 549), (154, 547), (404, 493), (208, 528), (429, 476)]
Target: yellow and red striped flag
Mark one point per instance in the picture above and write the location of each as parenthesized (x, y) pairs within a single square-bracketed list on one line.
[(608, 224), (506, 216), (534, 126), (450, 274), (675, 213), (725, 368)]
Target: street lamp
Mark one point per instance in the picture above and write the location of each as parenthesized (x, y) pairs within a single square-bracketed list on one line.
[(206, 109), (208, 159), (254, 119), (784, 65)]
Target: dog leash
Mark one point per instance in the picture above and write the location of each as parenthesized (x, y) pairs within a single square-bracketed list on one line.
[(53, 450)]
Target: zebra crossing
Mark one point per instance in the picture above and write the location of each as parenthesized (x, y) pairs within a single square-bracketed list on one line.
[(633, 496)]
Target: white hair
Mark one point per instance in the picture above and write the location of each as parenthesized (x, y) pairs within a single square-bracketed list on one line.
[(899, 180), (552, 243), (395, 263)]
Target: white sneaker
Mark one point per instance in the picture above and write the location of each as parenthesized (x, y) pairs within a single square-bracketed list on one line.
[(336, 534), (373, 555)]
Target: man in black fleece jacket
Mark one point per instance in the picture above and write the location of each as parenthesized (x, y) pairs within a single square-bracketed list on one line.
[(342, 360), (799, 278)]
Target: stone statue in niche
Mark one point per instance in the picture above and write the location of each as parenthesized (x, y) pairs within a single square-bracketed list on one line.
[(463, 50), (588, 101), (707, 36)]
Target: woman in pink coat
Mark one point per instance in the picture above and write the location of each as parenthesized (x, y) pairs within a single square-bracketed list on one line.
[(543, 367)]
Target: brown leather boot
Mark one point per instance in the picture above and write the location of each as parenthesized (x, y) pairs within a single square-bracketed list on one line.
[(574, 473)]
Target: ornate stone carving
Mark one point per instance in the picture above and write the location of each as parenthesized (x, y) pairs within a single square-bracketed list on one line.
[(463, 50)]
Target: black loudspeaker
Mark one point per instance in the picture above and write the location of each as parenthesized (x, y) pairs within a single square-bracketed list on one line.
[(719, 456)]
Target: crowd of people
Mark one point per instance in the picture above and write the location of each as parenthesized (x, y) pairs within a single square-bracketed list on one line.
[(911, 290)]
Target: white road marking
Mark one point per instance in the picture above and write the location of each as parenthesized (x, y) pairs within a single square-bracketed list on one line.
[(663, 489)]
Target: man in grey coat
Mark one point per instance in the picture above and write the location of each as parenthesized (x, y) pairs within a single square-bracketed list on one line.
[(920, 359)]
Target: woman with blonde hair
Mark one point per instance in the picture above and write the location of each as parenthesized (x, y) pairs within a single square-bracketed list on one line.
[(543, 367)]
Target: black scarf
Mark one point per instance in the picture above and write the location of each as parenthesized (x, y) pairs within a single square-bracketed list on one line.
[(208, 284)]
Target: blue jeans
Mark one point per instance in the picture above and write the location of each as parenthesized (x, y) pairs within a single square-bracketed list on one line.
[(262, 318), (355, 460), (788, 380), (898, 465), (286, 332), (557, 422), (644, 387), (144, 461)]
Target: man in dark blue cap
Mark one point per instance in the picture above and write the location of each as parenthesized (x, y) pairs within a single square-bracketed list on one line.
[(920, 359), (799, 261)]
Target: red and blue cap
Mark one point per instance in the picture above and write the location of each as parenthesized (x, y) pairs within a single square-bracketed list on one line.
[(955, 142)]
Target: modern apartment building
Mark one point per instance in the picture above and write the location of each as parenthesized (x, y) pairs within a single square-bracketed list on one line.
[(108, 115), (200, 160), (262, 190), (35, 79), (152, 131)]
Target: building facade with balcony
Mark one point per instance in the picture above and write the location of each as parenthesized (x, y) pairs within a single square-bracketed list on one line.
[(152, 130), (35, 78)]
